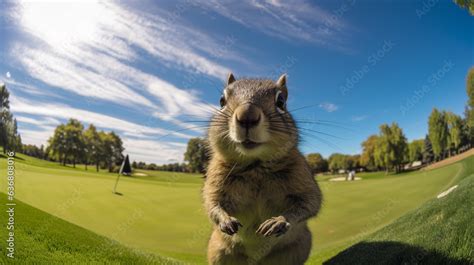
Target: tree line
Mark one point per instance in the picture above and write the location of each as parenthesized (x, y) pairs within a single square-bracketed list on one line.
[(73, 144), (172, 167), (10, 139), (448, 134)]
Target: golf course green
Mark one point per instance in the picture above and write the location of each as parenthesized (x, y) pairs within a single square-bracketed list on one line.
[(69, 215)]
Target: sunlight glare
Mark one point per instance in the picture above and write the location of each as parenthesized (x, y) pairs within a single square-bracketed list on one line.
[(63, 22)]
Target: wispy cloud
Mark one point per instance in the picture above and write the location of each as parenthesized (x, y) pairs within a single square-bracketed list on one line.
[(359, 118), (289, 20), (38, 121), (61, 111), (140, 141), (329, 107), (89, 49), (143, 150)]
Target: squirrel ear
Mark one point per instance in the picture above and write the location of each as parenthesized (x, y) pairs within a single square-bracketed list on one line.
[(282, 81), (230, 79)]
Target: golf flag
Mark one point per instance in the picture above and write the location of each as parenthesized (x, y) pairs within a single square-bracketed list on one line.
[(125, 169)]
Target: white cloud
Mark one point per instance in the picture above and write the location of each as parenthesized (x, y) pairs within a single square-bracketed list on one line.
[(95, 49), (36, 137), (60, 111), (139, 150), (8, 75), (140, 141), (359, 118), (329, 107), (289, 20), (38, 121), (90, 46), (152, 151)]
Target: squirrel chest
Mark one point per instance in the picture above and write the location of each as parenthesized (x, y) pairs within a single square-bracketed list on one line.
[(255, 195)]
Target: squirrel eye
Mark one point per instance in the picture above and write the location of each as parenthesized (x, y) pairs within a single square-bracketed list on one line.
[(222, 101), (280, 102)]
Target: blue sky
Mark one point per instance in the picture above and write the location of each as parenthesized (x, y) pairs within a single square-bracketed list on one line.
[(144, 69)]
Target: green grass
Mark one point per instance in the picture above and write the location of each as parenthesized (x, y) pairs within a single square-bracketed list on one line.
[(44, 239), (439, 232), (162, 213)]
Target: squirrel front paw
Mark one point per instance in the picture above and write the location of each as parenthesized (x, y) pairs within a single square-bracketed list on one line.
[(274, 226), (230, 226)]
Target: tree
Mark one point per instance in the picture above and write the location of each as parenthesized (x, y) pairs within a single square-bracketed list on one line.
[(337, 162), (93, 147), (74, 140), (317, 163), (455, 131), (9, 137), (367, 159), (469, 113), (112, 149), (196, 154), (391, 147), (428, 155), (116, 156), (415, 150), (438, 132), (353, 162), (57, 145)]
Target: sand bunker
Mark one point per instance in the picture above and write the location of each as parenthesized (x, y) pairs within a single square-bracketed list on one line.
[(140, 174)]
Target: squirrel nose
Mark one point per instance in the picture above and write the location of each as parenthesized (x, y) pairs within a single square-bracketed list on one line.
[(247, 116)]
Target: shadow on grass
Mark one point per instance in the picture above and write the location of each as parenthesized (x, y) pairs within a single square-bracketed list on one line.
[(389, 252)]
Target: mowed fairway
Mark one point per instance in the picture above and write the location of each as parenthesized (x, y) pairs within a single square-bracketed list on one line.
[(162, 213)]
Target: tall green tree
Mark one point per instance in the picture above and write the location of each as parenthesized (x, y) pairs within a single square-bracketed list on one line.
[(196, 154), (428, 155), (93, 151), (353, 162), (338, 161), (317, 163), (9, 137), (367, 159), (455, 131), (438, 133), (116, 156), (74, 140), (57, 144), (112, 148), (391, 148), (469, 113), (415, 150)]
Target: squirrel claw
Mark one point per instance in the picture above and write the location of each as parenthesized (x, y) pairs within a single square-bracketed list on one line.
[(274, 226), (230, 226)]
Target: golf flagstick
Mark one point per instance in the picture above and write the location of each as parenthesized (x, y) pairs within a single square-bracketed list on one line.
[(124, 169), (118, 177)]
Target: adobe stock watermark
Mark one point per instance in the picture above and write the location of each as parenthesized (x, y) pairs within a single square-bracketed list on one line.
[(334, 19), (430, 83), (426, 8), (10, 205), (373, 59)]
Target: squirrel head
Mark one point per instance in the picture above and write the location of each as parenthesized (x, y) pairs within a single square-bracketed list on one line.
[(253, 122)]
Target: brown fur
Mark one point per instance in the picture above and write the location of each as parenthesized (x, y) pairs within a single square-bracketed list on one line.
[(258, 200)]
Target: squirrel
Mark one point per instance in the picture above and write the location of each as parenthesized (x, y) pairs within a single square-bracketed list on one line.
[(258, 191)]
